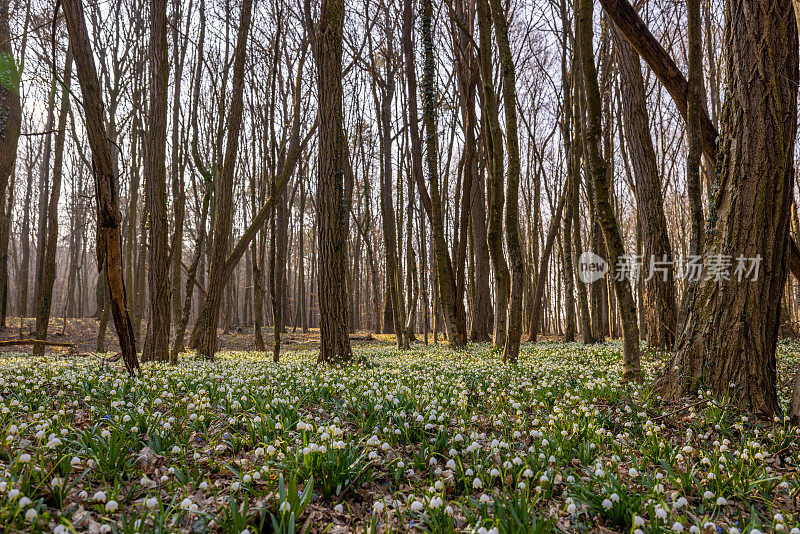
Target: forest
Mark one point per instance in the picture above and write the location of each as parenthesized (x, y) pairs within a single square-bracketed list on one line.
[(387, 266)]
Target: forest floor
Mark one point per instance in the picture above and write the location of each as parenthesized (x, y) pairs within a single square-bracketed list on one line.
[(428, 440)]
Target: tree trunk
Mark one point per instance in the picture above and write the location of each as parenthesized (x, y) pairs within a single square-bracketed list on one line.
[(10, 121), (731, 332), (511, 350), (493, 136), (155, 173), (605, 210), (204, 335), (659, 287), (44, 293), (331, 203), (109, 242)]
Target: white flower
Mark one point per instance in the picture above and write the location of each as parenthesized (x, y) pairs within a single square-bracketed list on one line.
[(285, 506), (31, 514), (721, 501), (100, 496), (186, 503), (151, 502), (112, 506), (24, 457), (638, 521), (485, 498), (24, 501), (677, 527), (477, 484), (339, 509), (416, 506), (378, 506), (607, 504)]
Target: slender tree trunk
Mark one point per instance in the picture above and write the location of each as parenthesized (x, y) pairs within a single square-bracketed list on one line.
[(492, 136), (109, 242), (10, 122), (204, 335), (605, 210), (660, 302), (44, 293), (511, 350)]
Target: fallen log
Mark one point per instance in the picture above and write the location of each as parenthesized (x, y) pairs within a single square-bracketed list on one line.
[(16, 342)]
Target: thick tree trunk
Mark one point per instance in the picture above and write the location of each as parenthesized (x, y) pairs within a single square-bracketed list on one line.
[(731, 332), (10, 121), (155, 173), (605, 210), (332, 206), (109, 242)]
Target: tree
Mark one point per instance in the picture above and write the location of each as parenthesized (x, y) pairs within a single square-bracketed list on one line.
[(204, 335), (729, 340), (44, 293), (332, 209), (109, 242), (447, 290), (660, 305), (605, 210), (11, 120), (493, 146), (155, 173), (511, 349)]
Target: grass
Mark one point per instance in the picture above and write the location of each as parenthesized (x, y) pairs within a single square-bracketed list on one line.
[(429, 440)]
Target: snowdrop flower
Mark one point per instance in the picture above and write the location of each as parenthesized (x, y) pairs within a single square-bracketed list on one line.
[(638, 521), (112, 506), (25, 457), (23, 502), (285, 506), (339, 509), (485, 498), (30, 515), (151, 502), (416, 506), (100, 496), (476, 483), (378, 506), (677, 527), (607, 504), (571, 508), (721, 501)]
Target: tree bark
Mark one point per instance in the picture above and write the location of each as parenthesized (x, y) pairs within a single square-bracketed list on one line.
[(731, 332), (204, 335), (109, 242), (155, 173), (332, 205), (514, 333), (605, 210), (492, 136), (660, 300), (44, 293)]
